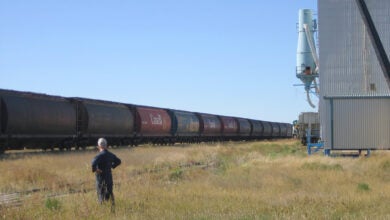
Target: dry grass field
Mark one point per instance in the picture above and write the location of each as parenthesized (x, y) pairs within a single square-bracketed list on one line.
[(256, 180)]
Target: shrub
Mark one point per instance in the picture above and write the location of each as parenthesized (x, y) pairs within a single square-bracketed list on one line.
[(363, 187), (177, 174), (52, 204)]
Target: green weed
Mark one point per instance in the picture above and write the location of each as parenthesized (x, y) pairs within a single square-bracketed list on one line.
[(52, 204), (321, 166), (176, 174), (363, 187)]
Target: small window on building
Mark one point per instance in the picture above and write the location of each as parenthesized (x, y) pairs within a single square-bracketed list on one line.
[(372, 87)]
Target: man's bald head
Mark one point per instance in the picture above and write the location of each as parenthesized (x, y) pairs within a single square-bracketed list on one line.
[(102, 143)]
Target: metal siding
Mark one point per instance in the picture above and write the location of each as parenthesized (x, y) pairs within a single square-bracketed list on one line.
[(309, 118), (275, 129), (325, 122), (267, 132), (187, 123), (361, 123), (349, 67), (229, 126), (1, 116), (257, 128), (153, 121), (348, 62), (289, 130), (244, 127), (108, 119), (210, 125), (380, 11), (32, 114), (283, 129)]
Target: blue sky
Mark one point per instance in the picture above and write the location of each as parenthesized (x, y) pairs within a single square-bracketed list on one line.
[(216, 56)]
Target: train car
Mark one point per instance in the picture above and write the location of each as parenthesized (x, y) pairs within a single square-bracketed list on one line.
[(283, 130), (185, 126), (97, 118), (210, 127), (257, 129), (267, 129), (31, 120), (308, 122), (1, 119), (244, 128), (152, 125), (289, 130), (275, 129), (229, 127)]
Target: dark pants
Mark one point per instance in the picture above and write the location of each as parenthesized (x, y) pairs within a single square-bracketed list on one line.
[(104, 188)]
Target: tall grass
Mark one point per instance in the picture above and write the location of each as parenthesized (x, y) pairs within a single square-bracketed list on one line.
[(257, 180)]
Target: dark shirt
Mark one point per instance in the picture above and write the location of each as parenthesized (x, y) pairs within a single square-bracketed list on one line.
[(104, 161)]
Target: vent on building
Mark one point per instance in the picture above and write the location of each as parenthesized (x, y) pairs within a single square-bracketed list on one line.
[(373, 87)]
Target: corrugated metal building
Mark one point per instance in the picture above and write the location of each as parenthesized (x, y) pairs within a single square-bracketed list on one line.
[(355, 94)]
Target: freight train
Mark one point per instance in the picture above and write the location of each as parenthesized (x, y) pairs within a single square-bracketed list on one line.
[(35, 121)]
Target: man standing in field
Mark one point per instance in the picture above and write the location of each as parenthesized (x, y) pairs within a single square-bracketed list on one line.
[(101, 166)]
